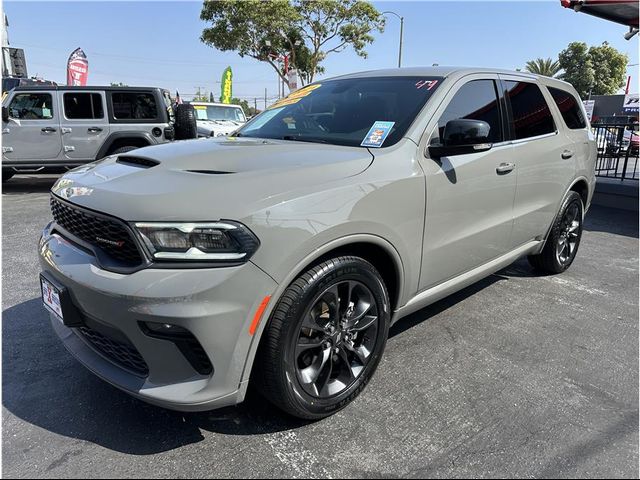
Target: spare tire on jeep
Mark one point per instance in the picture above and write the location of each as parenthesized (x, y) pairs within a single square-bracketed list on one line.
[(186, 126)]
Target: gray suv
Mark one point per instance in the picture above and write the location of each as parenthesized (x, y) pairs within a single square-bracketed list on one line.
[(280, 255), (54, 128)]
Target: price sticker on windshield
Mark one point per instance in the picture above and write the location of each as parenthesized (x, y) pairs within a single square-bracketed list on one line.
[(377, 134)]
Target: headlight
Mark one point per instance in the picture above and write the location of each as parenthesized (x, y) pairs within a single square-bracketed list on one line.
[(226, 242)]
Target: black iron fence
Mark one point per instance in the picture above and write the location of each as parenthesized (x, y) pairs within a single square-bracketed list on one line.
[(617, 150)]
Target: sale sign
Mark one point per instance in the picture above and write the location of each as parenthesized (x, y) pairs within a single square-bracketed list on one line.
[(77, 68)]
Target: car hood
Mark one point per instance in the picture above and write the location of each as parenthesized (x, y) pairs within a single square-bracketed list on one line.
[(217, 126), (208, 179)]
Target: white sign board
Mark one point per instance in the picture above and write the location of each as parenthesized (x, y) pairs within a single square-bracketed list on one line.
[(588, 106), (630, 104), (292, 77)]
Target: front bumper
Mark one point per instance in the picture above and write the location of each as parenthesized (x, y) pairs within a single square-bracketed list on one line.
[(215, 304)]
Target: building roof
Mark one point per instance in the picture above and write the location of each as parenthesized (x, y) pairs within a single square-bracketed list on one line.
[(624, 12)]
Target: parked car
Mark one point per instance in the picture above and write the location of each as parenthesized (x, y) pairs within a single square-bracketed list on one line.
[(53, 128), (218, 119), (281, 255)]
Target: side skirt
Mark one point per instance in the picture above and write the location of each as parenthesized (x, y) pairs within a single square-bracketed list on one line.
[(438, 292)]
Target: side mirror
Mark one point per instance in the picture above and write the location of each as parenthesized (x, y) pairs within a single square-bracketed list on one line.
[(462, 136), (5, 114)]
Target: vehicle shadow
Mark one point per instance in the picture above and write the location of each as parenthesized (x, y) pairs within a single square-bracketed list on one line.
[(44, 386), (23, 184)]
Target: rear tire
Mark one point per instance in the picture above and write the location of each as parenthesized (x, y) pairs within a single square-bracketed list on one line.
[(186, 126), (120, 150), (325, 338), (564, 238)]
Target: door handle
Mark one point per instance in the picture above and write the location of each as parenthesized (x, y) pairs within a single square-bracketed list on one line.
[(567, 154), (48, 130), (94, 129), (505, 168)]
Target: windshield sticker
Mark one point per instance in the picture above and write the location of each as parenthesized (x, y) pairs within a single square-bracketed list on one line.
[(429, 84), (200, 107), (296, 96), (377, 134)]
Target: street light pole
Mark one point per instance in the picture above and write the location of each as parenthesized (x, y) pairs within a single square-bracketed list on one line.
[(401, 32)]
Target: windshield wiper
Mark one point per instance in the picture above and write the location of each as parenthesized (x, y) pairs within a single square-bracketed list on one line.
[(294, 138)]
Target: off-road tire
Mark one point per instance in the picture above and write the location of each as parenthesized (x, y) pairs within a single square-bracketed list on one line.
[(120, 150), (186, 126)]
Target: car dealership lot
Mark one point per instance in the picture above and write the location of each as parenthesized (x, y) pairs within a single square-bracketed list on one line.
[(519, 375)]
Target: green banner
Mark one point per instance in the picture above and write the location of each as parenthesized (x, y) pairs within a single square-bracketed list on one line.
[(226, 89)]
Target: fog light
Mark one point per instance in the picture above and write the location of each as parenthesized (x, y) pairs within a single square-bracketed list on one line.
[(164, 329)]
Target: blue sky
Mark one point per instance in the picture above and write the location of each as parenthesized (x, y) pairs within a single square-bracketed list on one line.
[(157, 43)]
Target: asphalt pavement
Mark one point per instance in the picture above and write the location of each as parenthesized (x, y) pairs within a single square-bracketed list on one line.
[(520, 375)]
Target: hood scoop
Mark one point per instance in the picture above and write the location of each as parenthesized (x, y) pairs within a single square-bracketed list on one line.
[(140, 162), (210, 172)]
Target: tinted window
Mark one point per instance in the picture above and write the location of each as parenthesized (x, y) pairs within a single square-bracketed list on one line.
[(343, 111), (569, 108), (82, 105), (476, 100), (134, 105), (531, 114), (31, 106)]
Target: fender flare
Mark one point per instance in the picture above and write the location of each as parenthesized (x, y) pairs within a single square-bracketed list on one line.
[(113, 137), (295, 272)]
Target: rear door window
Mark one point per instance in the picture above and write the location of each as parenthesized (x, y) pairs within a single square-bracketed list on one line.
[(569, 108), (134, 106), (82, 105), (531, 115), (476, 100), (31, 106)]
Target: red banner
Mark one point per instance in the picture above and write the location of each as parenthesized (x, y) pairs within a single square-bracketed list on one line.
[(77, 68)]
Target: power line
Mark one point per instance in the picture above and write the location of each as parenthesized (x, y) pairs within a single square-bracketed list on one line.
[(137, 59)]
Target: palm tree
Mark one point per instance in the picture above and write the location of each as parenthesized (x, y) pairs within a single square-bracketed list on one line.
[(548, 67)]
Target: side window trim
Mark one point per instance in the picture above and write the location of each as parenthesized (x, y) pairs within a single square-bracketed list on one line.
[(458, 87), (64, 111), (20, 93), (161, 112), (511, 123)]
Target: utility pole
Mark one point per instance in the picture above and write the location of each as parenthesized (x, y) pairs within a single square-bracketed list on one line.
[(255, 105)]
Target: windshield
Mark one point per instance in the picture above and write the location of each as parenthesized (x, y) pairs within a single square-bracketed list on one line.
[(368, 111), (218, 112)]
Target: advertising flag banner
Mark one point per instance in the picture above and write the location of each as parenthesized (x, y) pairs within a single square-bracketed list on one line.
[(588, 106), (292, 77), (77, 68), (226, 89), (630, 103)]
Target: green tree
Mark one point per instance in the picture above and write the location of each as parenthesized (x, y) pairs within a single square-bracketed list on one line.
[(307, 30), (577, 67), (610, 69), (547, 67)]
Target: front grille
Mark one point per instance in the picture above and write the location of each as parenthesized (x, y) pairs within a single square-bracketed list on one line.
[(109, 235), (123, 354)]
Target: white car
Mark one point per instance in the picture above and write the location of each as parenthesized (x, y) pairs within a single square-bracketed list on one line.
[(218, 119)]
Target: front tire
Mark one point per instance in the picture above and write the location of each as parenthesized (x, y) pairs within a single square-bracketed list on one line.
[(564, 239), (325, 338)]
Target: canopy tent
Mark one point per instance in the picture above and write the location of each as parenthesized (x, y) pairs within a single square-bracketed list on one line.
[(624, 12)]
